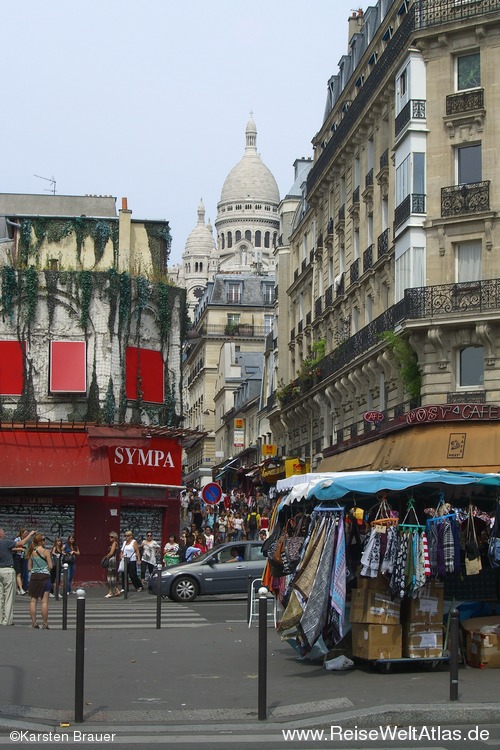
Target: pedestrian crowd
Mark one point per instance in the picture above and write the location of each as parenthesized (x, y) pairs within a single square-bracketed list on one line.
[(28, 566)]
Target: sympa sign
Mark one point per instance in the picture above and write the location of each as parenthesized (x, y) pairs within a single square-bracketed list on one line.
[(159, 463)]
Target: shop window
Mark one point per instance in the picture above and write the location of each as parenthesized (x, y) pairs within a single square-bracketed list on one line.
[(11, 367), (144, 374), (68, 367)]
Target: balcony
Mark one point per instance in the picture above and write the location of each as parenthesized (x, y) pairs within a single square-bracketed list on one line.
[(354, 271), (412, 204), (329, 296), (384, 160), (465, 102), (318, 307), (340, 286), (368, 258), (420, 303), (308, 319), (234, 329), (383, 243), (300, 327), (369, 178), (414, 109), (458, 200), (438, 12), (355, 196)]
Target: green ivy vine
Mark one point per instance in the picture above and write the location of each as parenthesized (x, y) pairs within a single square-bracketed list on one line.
[(10, 289), (85, 283), (125, 304), (31, 291), (93, 407), (407, 360), (108, 411), (51, 283), (101, 232), (159, 241), (113, 295)]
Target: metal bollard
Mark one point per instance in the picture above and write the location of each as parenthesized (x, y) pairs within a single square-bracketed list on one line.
[(454, 646), (80, 654), (158, 596), (65, 597), (58, 576), (125, 577), (262, 678)]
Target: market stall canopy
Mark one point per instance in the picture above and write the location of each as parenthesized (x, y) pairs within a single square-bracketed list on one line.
[(336, 487)]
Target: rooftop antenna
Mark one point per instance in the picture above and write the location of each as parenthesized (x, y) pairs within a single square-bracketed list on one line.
[(52, 180)]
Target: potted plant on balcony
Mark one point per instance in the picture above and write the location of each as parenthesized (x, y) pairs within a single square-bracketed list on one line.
[(231, 329), (407, 360)]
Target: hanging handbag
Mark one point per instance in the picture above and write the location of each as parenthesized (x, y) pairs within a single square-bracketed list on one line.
[(473, 564), (105, 562), (494, 543)]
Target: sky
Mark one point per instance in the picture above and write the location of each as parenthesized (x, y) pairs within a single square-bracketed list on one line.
[(150, 100)]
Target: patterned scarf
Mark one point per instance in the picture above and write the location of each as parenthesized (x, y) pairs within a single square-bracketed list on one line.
[(370, 559), (338, 586)]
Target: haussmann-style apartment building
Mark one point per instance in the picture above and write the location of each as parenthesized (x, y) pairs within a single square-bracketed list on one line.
[(386, 351)]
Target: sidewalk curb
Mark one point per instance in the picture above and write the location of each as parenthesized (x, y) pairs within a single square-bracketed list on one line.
[(414, 715)]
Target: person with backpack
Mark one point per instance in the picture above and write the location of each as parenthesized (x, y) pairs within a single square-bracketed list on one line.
[(253, 524)]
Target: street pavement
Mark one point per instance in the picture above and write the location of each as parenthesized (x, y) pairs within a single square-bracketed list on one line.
[(203, 675)]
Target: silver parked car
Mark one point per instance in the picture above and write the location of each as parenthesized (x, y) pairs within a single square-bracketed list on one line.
[(212, 572)]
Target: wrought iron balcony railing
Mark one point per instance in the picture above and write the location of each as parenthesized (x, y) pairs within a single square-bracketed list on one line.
[(369, 178), (368, 258), (355, 195), (414, 109), (383, 243), (384, 159), (354, 271), (233, 329), (300, 326), (418, 304), (308, 318), (318, 306), (329, 296), (465, 101), (412, 204), (436, 12), (465, 199)]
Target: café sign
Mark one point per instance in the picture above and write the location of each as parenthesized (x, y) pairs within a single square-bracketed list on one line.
[(453, 412)]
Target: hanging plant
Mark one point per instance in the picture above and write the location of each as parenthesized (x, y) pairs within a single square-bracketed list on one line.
[(164, 311), (93, 408), (159, 241), (10, 290), (26, 409), (85, 284), (115, 239), (24, 241), (125, 303), (51, 279), (113, 294), (31, 291), (142, 292), (101, 232), (407, 360), (57, 230), (81, 229), (108, 412)]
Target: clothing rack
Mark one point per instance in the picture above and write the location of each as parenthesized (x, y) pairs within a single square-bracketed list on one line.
[(325, 508)]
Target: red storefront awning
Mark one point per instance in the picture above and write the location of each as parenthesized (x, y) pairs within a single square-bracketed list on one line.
[(52, 458)]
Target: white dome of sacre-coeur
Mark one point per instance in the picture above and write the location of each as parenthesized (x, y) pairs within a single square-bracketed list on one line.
[(200, 240), (250, 179)]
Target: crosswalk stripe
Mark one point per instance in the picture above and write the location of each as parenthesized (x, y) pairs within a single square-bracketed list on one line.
[(105, 615)]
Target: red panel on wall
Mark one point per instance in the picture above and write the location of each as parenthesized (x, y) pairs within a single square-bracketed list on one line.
[(11, 368), (68, 367), (159, 463), (50, 459), (148, 364)]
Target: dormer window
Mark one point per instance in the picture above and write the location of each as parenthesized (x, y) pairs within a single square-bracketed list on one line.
[(233, 292)]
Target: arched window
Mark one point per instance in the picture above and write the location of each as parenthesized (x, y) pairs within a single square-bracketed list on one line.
[(201, 267), (222, 242), (229, 239), (196, 267), (275, 238), (258, 238), (267, 239), (248, 235), (238, 236)]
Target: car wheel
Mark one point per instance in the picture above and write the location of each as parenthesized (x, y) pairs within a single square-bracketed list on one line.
[(184, 589)]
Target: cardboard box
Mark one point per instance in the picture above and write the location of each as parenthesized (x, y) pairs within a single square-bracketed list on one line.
[(483, 643), (428, 608), (371, 606), (421, 641), (380, 583), (376, 641)]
